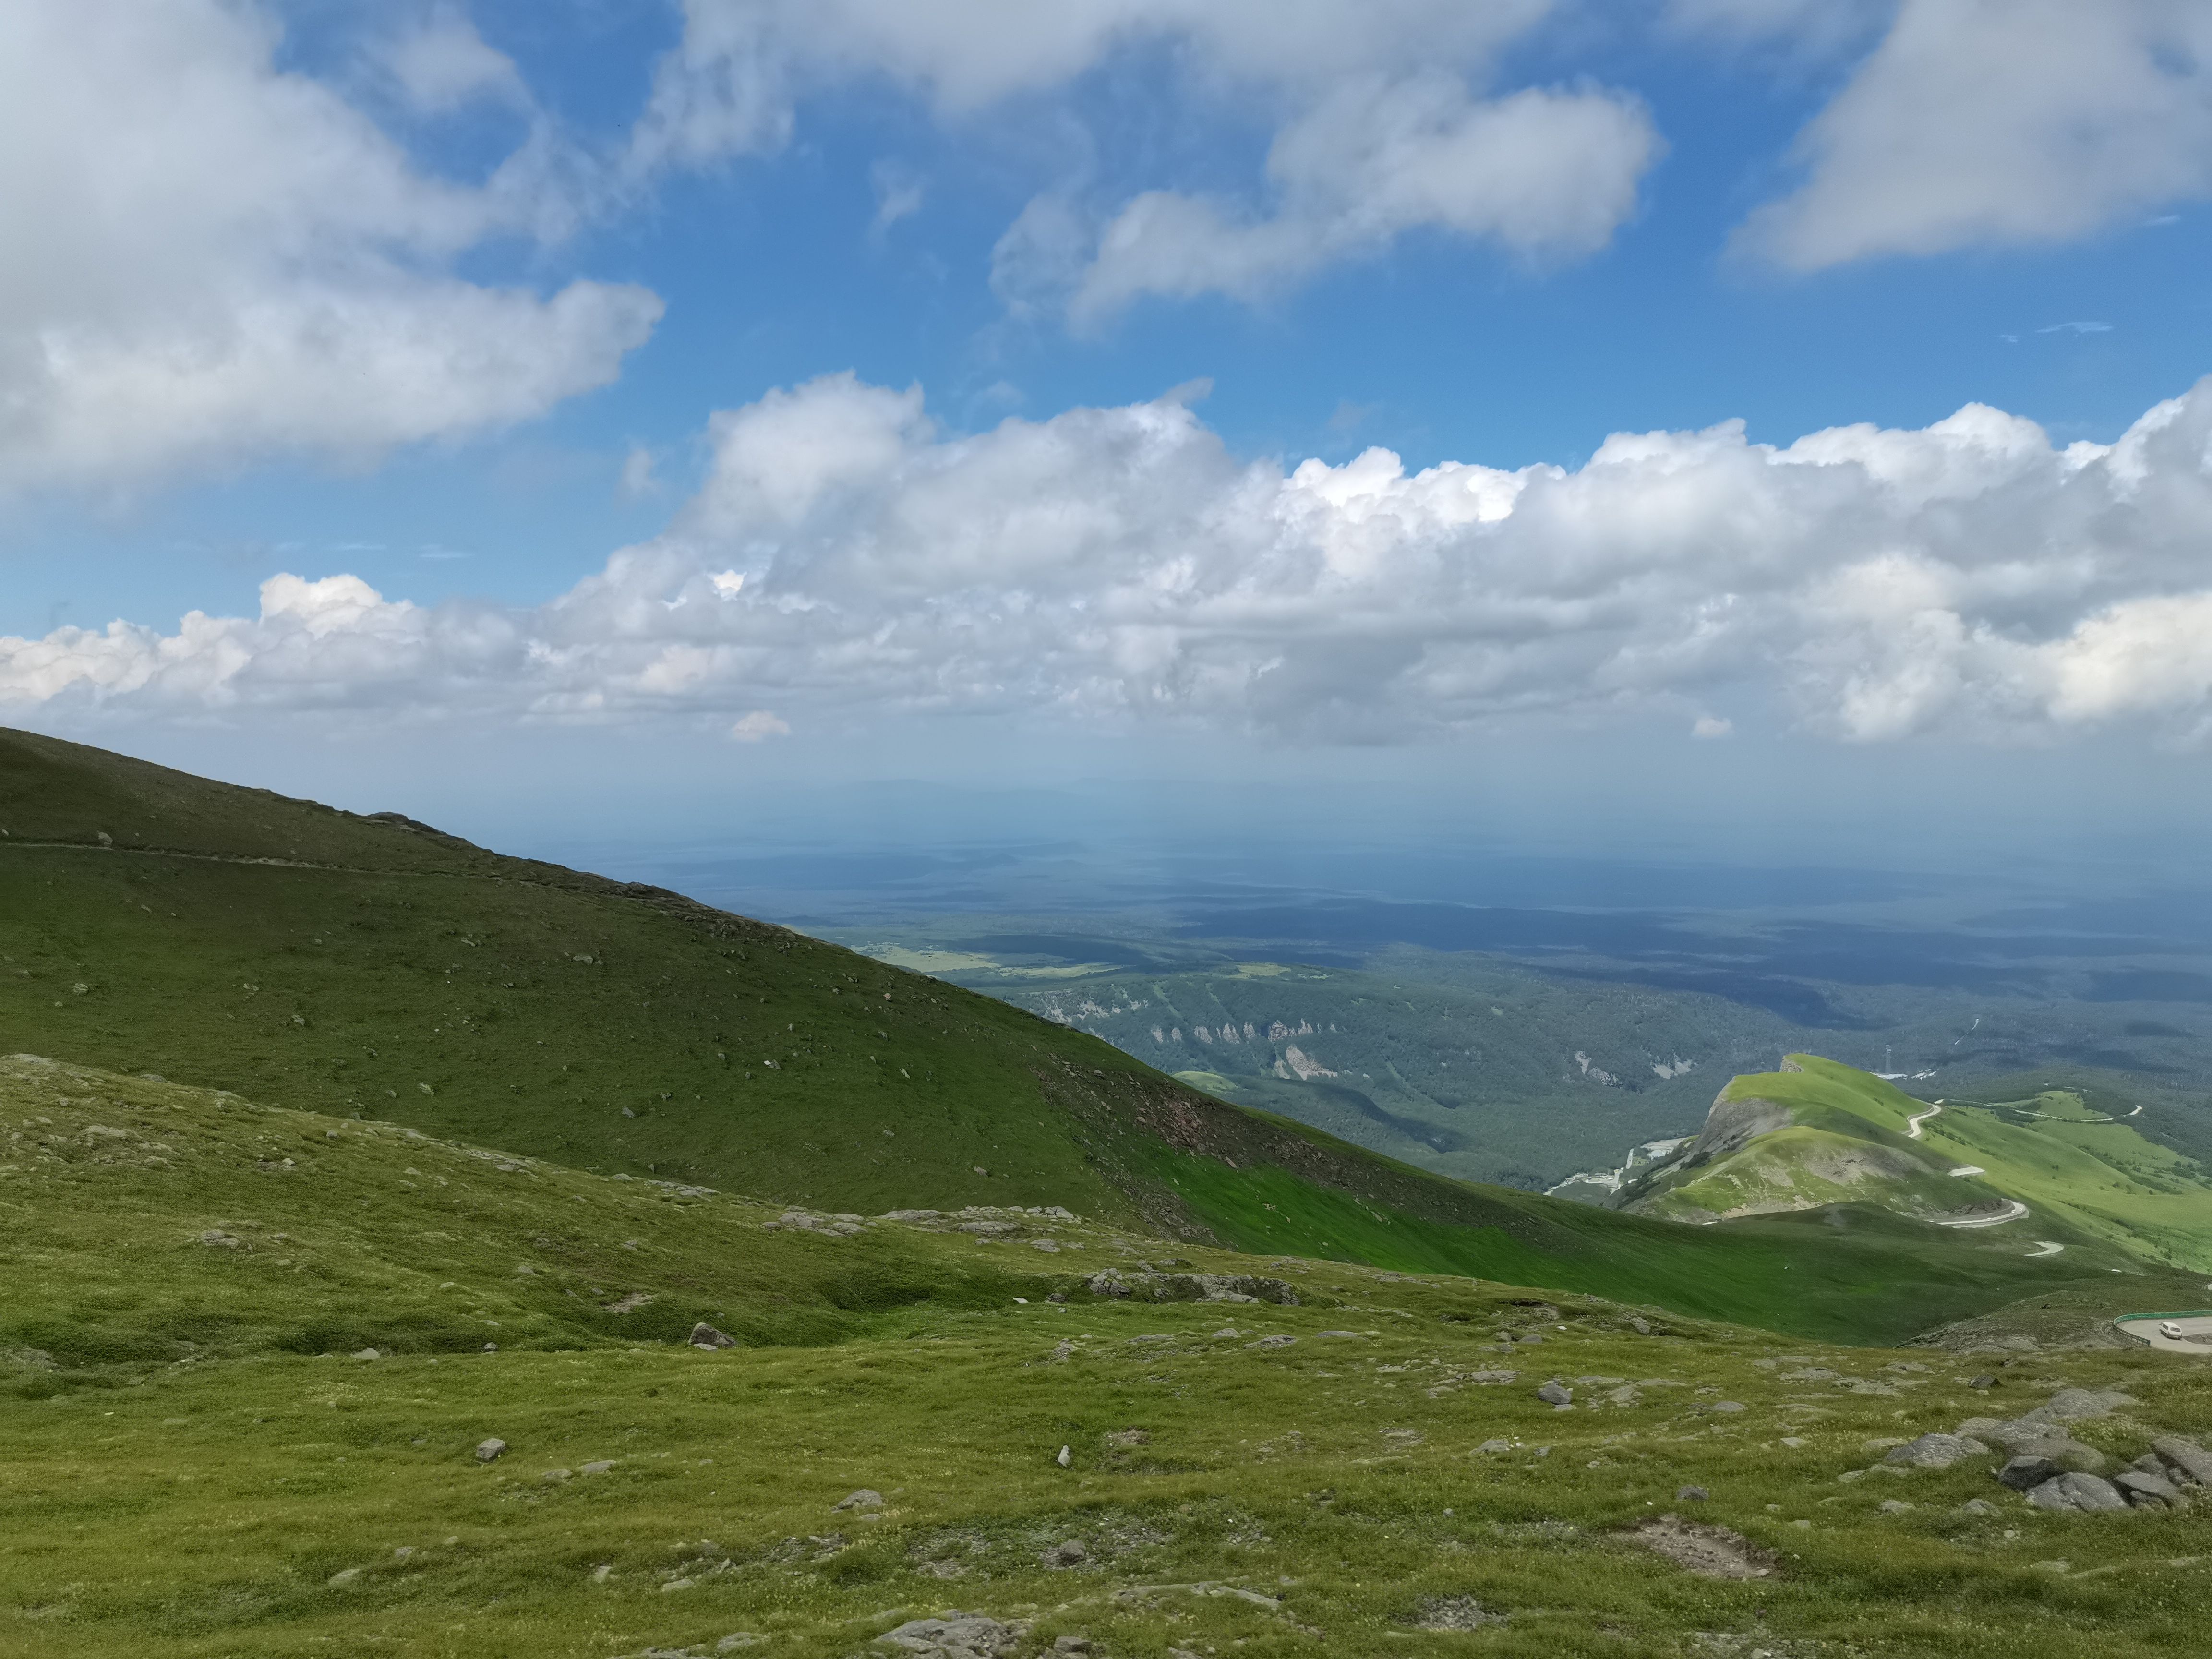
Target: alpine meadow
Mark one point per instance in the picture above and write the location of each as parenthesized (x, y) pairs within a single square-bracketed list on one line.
[(1105, 830)]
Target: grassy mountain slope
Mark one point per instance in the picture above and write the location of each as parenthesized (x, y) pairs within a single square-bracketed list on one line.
[(1825, 1133), (374, 969), (201, 1464)]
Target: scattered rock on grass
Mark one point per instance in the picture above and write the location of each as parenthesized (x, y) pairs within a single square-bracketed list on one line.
[(1691, 1495), (865, 1498), (487, 1449), (704, 1335), (1555, 1392), (1069, 1553)]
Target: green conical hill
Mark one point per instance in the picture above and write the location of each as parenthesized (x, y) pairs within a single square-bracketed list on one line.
[(2047, 1170)]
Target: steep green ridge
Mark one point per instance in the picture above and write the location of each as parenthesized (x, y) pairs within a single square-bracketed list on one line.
[(201, 1465), (314, 958), (1823, 1133), (371, 969)]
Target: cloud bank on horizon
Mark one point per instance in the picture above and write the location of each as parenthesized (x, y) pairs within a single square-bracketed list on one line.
[(1969, 579)]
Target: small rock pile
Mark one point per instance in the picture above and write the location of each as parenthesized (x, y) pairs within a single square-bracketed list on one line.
[(956, 1636), (1190, 1287), (2054, 1471), (807, 1221)]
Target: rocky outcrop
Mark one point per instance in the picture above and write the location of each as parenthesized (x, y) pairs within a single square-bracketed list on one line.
[(1190, 1287), (1733, 1125)]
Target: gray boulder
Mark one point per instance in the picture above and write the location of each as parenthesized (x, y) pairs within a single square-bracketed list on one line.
[(1556, 1393), (488, 1450), (2185, 1455), (1936, 1451), (2090, 1493), (2148, 1491), (865, 1498), (2026, 1436), (2023, 1474), (2071, 1405), (704, 1335)]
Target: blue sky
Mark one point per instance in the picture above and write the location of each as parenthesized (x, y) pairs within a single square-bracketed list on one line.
[(375, 333)]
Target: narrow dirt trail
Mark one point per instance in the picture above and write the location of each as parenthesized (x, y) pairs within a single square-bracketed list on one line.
[(1912, 1123)]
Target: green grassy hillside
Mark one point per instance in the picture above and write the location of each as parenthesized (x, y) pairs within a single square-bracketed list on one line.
[(1824, 1133), (244, 1377), (371, 969)]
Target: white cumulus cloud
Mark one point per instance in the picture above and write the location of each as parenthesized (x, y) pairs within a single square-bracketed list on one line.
[(1983, 122), (1122, 565), (1384, 120), (1545, 173), (213, 260)]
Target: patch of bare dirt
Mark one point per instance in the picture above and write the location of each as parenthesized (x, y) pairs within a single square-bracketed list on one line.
[(1709, 1552)]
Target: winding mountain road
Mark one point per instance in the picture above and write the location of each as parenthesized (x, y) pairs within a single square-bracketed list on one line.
[(2144, 1328), (2012, 1211), (1912, 1123)]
